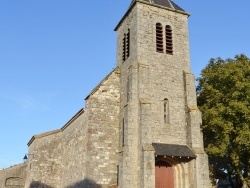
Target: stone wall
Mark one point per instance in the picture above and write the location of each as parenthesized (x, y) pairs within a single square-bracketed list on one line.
[(74, 149), (161, 76), (84, 151), (103, 131), (14, 176), (151, 80), (149, 98), (44, 163), (128, 157)]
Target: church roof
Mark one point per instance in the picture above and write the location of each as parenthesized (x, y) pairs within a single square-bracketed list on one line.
[(57, 130), (166, 3)]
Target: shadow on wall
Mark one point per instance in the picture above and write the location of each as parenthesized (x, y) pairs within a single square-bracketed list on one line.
[(38, 184), (86, 183)]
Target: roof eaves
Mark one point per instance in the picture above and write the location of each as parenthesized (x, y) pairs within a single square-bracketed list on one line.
[(57, 130), (175, 9), (171, 9), (80, 112), (173, 150), (99, 85), (125, 15), (43, 135), (14, 166)]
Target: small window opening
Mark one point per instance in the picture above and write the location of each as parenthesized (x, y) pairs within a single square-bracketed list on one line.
[(159, 38), (123, 133), (166, 111), (128, 88), (169, 41), (126, 46), (117, 175)]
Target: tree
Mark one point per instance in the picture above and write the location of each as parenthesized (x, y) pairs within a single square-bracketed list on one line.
[(223, 95)]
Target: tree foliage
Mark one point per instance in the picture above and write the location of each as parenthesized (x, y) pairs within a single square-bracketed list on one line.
[(223, 95)]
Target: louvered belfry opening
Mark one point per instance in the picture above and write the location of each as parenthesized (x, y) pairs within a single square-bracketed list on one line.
[(169, 41), (126, 46), (159, 38)]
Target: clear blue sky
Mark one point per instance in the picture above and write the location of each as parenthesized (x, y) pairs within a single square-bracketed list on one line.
[(54, 52)]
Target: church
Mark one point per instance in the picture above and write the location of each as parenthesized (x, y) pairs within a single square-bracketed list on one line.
[(140, 127)]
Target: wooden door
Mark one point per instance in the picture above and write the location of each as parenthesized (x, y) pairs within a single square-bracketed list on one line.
[(164, 175)]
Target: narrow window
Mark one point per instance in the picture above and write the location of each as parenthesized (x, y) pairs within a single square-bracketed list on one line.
[(123, 133), (124, 48), (127, 44), (169, 41), (166, 111), (118, 175), (128, 88), (159, 38)]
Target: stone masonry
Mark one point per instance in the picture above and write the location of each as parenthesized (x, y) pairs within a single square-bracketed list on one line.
[(144, 113), (154, 77), (13, 177)]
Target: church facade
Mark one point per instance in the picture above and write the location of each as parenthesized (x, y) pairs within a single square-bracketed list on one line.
[(140, 127)]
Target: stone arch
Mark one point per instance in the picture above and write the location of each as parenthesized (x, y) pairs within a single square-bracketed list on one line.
[(16, 182), (180, 178)]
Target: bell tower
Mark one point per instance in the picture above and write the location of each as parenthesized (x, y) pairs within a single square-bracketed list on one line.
[(161, 142)]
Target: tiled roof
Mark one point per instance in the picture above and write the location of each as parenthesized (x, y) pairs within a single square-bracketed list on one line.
[(167, 3), (170, 5), (173, 150)]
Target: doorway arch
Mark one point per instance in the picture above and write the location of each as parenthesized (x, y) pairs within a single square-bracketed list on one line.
[(164, 175)]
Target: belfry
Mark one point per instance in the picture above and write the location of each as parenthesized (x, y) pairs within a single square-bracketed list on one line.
[(161, 141)]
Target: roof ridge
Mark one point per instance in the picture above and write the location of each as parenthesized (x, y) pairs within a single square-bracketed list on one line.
[(167, 3)]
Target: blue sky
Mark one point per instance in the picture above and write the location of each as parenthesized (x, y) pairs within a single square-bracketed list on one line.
[(54, 52)]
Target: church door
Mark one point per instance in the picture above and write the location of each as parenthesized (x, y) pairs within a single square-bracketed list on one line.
[(164, 175)]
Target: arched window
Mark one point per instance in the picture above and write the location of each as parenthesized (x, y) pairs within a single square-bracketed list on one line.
[(166, 111), (159, 38), (169, 41)]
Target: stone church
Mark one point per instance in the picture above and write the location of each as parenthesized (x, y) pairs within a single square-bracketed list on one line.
[(140, 127)]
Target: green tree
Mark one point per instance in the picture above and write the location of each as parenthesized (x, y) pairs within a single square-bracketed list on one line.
[(223, 95)]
